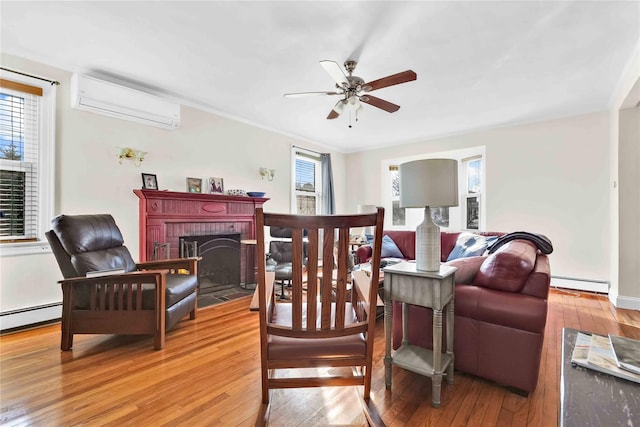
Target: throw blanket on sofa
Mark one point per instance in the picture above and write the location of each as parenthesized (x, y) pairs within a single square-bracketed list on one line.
[(542, 242)]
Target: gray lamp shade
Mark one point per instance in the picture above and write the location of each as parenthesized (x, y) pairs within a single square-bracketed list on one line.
[(429, 182)]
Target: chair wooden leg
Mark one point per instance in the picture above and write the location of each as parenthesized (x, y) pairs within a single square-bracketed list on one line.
[(265, 385), (367, 382), (66, 341), (263, 415), (158, 340)]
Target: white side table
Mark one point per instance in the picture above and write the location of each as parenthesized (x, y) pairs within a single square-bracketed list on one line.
[(433, 289)]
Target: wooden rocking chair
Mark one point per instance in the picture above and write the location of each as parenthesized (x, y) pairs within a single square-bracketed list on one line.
[(324, 324)]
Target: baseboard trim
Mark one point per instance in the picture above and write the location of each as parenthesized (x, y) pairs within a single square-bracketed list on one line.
[(29, 316), (589, 285), (629, 303)]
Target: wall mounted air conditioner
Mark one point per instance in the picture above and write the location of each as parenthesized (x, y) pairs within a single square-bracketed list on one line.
[(114, 100)]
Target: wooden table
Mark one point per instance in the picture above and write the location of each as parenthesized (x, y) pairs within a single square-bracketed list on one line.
[(433, 289), (591, 398)]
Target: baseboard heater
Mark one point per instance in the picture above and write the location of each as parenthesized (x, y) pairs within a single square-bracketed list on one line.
[(589, 285), (28, 316)]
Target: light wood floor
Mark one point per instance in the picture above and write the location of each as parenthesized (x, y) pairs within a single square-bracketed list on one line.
[(208, 375)]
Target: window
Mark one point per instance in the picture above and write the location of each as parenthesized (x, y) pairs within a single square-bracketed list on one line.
[(27, 112), (307, 188), (472, 169), (398, 217)]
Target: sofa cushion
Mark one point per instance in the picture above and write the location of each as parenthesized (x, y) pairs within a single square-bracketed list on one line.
[(466, 268), (447, 243), (390, 249), (508, 268), (468, 244)]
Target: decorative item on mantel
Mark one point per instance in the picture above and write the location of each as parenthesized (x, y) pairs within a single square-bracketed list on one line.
[(194, 185), (268, 173), (136, 156), (255, 194), (236, 193), (426, 184), (149, 181), (216, 186)]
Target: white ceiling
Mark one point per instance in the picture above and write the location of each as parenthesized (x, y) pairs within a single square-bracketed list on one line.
[(480, 64)]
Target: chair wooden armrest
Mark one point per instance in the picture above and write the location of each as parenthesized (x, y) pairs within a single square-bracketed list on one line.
[(190, 264), (132, 276)]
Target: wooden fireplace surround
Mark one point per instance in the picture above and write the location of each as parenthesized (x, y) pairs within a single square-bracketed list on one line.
[(165, 216)]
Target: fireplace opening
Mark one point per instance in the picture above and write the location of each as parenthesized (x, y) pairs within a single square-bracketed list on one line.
[(219, 267)]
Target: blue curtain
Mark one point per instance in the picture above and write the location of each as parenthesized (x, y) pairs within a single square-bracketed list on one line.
[(328, 201)]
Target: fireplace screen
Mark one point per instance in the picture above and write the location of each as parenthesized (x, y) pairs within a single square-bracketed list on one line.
[(219, 267)]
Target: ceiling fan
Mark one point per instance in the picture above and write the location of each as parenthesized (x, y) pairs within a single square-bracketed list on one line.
[(354, 90)]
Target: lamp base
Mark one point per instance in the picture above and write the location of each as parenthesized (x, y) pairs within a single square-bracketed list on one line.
[(427, 244)]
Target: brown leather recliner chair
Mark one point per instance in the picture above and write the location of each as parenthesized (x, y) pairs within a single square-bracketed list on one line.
[(148, 298)]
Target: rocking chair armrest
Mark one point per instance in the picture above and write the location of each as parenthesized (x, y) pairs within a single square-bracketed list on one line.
[(172, 264)]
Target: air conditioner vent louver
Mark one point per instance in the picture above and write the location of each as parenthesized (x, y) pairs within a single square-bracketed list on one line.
[(114, 100)]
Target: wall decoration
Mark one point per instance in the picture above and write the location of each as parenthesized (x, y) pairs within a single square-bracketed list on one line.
[(149, 181), (216, 186), (194, 185)]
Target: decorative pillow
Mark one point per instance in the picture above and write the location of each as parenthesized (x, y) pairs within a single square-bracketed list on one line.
[(468, 244), (390, 249)]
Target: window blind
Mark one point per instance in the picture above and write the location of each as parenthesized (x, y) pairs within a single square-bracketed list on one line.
[(19, 158)]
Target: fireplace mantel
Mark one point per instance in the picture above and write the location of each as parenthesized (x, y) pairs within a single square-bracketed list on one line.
[(164, 216)]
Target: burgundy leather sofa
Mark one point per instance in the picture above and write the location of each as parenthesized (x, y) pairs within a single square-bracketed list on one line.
[(500, 310)]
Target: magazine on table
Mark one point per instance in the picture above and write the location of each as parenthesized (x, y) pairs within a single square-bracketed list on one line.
[(595, 352), (626, 352)]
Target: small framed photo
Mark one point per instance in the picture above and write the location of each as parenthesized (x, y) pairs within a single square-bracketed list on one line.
[(216, 186), (194, 185), (149, 181)]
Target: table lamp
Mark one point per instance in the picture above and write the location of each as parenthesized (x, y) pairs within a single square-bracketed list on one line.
[(425, 184)]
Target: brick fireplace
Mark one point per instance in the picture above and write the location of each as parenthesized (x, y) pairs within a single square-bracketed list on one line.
[(168, 216)]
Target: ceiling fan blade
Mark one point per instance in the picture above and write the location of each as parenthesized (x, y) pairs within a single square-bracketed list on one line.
[(395, 79), (333, 115), (336, 110), (335, 72), (301, 94), (380, 103)]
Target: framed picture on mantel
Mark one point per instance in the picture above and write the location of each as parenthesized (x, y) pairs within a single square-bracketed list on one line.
[(216, 186), (194, 185), (149, 181)]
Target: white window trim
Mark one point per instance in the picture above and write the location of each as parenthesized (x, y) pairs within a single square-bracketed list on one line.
[(458, 222), (46, 165)]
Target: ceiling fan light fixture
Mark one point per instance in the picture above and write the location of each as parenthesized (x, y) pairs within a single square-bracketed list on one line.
[(354, 103)]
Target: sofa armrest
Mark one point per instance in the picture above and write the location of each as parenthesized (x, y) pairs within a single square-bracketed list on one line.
[(538, 282), (363, 254)]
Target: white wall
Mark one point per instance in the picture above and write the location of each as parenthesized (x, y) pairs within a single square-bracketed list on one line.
[(623, 188), (89, 178), (549, 177)]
